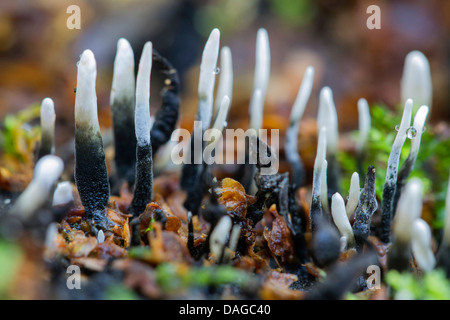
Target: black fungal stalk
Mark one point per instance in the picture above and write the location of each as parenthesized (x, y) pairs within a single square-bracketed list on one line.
[(367, 205), (91, 176)]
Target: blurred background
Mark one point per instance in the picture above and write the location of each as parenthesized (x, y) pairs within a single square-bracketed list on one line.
[(38, 53)]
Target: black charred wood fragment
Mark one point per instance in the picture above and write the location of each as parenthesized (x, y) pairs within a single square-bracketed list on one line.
[(91, 176), (167, 115), (144, 180), (343, 278), (367, 205), (325, 246)]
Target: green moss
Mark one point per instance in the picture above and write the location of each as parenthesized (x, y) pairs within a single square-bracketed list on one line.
[(11, 257)]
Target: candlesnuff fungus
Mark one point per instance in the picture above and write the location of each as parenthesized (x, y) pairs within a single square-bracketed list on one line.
[(47, 171), (387, 204), (143, 122), (409, 210), (443, 256), (167, 115), (192, 170), (408, 165), (327, 117), (366, 207), (291, 148), (421, 245), (91, 176), (316, 206), (225, 87), (256, 109), (353, 195), (63, 193), (215, 133), (47, 144), (325, 242), (364, 123), (416, 80), (341, 220), (122, 107)]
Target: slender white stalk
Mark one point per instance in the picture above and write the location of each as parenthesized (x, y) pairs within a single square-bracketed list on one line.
[(142, 117), (421, 245), (341, 220), (446, 237), (48, 118), (256, 116), (353, 195), (320, 154), (225, 87), (409, 209), (327, 117), (304, 92), (303, 95), (207, 79), (63, 193), (123, 83), (261, 79), (324, 187), (219, 124), (316, 206), (364, 121), (219, 236), (47, 171), (394, 156), (416, 80)]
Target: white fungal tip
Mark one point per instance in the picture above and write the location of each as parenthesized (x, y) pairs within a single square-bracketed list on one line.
[(340, 218), (416, 80), (123, 84), (353, 195), (208, 68), (262, 65), (46, 172), (63, 193), (303, 95), (142, 119), (86, 97), (364, 121), (219, 236), (327, 117), (100, 237), (409, 208), (47, 113), (421, 245), (225, 87)]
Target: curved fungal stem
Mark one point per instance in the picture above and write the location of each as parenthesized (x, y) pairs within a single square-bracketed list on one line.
[(408, 165), (353, 195), (409, 210), (47, 145), (324, 188), (91, 176), (219, 237), (167, 115), (144, 171), (316, 204), (341, 220), (327, 117), (122, 100), (366, 207), (416, 80), (421, 245), (46, 172), (390, 184), (225, 87), (291, 148)]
